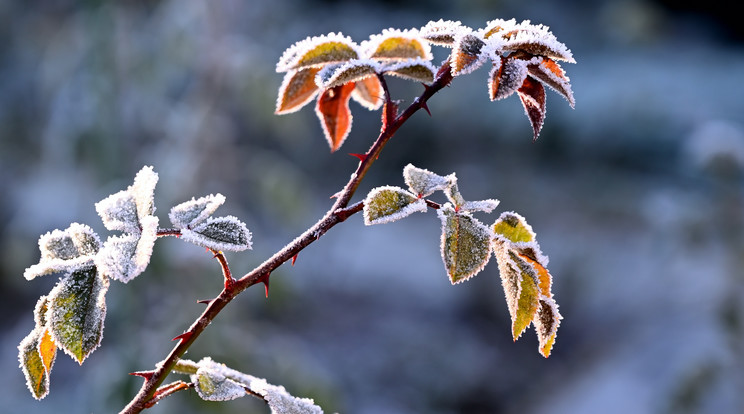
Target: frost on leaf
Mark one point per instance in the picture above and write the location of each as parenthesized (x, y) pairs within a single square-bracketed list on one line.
[(551, 74), (486, 206), (497, 26), (387, 204), (467, 54), (368, 93), (513, 227), (190, 213), (64, 250), (397, 44), (335, 75), (36, 354), (465, 244), (453, 193), (212, 385), (334, 114), (318, 51), (297, 90), (546, 325), (423, 182), (77, 309), (119, 211), (40, 310), (417, 69), (443, 32), (143, 191), (532, 95), (220, 233), (126, 256), (506, 76), (536, 40)]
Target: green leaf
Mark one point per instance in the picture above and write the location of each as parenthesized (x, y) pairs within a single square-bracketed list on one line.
[(212, 385), (220, 233), (513, 228), (527, 297), (190, 213), (466, 244), (387, 204), (77, 309), (36, 354), (318, 51), (63, 251), (424, 182)]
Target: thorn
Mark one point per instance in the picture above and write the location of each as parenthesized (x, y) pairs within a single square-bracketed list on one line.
[(425, 107), (144, 374), (265, 280), (336, 195), (183, 337), (205, 301), (294, 259), (361, 157)]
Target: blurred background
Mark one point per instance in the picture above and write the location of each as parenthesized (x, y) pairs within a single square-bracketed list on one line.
[(637, 196)]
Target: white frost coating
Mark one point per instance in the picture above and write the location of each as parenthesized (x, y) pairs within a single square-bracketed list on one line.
[(125, 257), (513, 74), (443, 32), (371, 47), (220, 233), (143, 191), (465, 244), (338, 74), (190, 213), (560, 84), (470, 45), (483, 205), (119, 211), (212, 385), (525, 33), (28, 344), (65, 250), (424, 183), (292, 56), (380, 207), (416, 69)]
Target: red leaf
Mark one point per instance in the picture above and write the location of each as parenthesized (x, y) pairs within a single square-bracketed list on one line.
[(334, 114), (552, 75), (506, 76), (532, 94)]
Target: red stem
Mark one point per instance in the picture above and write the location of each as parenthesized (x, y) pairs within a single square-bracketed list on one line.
[(338, 213)]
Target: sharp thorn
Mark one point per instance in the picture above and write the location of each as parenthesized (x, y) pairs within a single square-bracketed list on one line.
[(361, 157), (265, 280), (294, 259), (144, 374), (183, 337), (425, 107)]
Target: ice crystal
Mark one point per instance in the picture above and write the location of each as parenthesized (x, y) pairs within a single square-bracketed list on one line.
[(297, 90), (467, 54), (506, 76), (351, 71), (191, 213), (416, 69), (212, 385), (486, 206), (220, 233), (40, 310), (387, 204), (443, 32), (465, 244), (119, 211), (318, 51), (65, 250), (143, 191), (424, 183), (536, 40), (398, 45)]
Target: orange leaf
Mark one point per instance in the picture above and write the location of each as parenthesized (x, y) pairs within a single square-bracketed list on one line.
[(47, 350), (333, 111), (368, 92), (532, 94), (551, 74), (546, 324), (506, 77), (298, 88), (543, 276), (467, 54)]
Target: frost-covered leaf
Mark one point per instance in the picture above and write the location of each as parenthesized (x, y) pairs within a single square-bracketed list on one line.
[(212, 385), (532, 95), (467, 54), (220, 233), (77, 309), (536, 40), (417, 70), (281, 402), (507, 75), (119, 212), (486, 206), (513, 227), (520, 288), (397, 44), (423, 182), (338, 74), (550, 73), (297, 90), (465, 245), (64, 250), (546, 324), (318, 51), (443, 32), (335, 117), (143, 191), (40, 310), (387, 204), (190, 213), (126, 256), (36, 354), (453, 193), (368, 93), (497, 26)]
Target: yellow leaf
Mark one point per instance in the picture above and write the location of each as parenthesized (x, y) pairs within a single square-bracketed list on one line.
[(399, 45), (526, 305), (513, 227)]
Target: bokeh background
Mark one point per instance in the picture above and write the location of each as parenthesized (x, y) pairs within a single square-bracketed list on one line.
[(637, 196)]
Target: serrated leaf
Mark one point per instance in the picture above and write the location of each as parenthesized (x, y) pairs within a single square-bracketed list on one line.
[(211, 385), (297, 90), (546, 324), (497, 26), (551, 74), (318, 51), (424, 183), (453, 193), (513, 227), (190, 213), (143, 191), (63, 250), (443, 32), (368, 92), (398, 45), (532, 95), (335, 75), (77, 309), (528, 297), (220, 233), (465, 244), (40, 310), (335, 117), (388, 204), (36, 354), (536, 40), (485, 206), (119, 211), (506, 77), (467, 54), (417, 70)]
